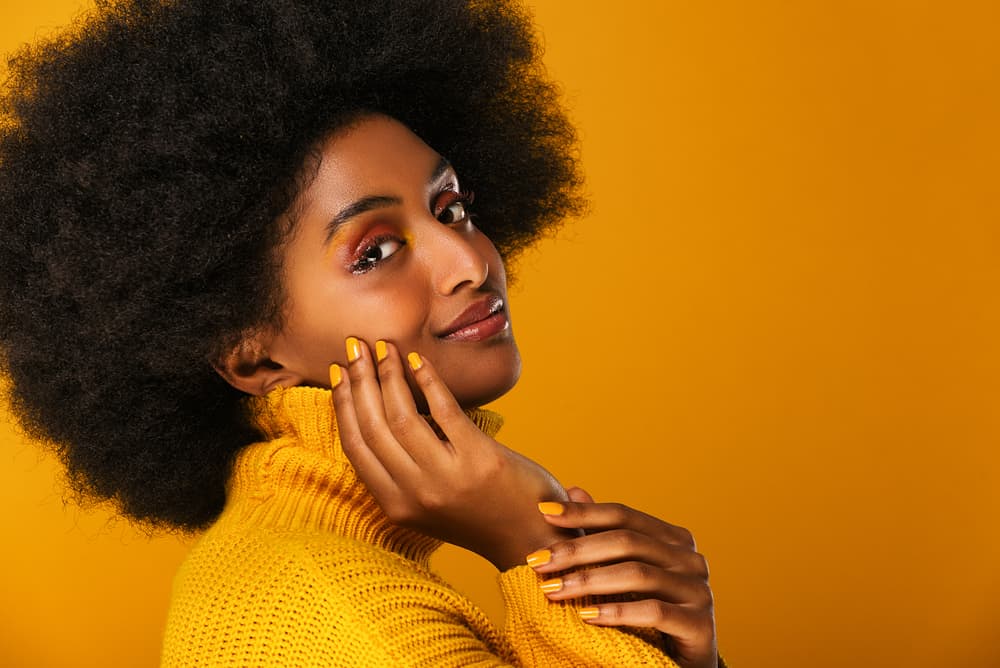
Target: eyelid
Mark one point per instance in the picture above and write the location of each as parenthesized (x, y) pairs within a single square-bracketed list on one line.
[(466, 197), (356, 266)]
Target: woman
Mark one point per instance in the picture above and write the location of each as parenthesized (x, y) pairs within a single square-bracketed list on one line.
[(238, 265)]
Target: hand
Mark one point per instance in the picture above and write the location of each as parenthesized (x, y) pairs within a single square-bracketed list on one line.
[(465, 488), (632, 553)]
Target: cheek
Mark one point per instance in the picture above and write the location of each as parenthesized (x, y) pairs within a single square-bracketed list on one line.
[(325, 312), (397, 313)]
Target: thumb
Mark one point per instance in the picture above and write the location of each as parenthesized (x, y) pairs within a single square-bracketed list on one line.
[(579, 495)]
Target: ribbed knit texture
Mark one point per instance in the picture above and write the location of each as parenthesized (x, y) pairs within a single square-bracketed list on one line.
[(303, 569)]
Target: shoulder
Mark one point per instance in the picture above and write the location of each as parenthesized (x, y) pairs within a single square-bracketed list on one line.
[(266, 598), (329, 597)]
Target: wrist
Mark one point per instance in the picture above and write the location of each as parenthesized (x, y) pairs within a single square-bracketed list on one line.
[(516, 549)]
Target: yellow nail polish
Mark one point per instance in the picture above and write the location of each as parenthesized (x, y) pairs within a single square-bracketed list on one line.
[(415, 361), (551, 508), (381, 351), (335, 376), (589, 613), (539, 558), (353, 349), (550, 586)]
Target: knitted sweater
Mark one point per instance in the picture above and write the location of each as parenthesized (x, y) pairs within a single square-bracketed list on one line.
[(303, 569)]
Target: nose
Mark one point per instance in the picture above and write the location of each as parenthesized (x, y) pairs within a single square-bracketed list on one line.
[(456, 257)]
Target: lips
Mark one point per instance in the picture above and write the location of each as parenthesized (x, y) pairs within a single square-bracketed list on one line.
[(475, 313)]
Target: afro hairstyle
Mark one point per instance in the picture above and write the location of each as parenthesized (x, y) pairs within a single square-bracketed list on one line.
[(147, 156)]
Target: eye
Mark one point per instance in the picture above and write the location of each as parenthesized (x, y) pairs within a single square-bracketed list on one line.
[(453, 213), (457, 210), (377, 251)]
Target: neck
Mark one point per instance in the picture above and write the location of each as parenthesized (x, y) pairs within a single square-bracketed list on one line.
[(300, 478)]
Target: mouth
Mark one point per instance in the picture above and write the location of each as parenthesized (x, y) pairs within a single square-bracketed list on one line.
[(479, 321)]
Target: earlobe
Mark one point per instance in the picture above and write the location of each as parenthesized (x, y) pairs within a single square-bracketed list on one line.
[(248, 368)]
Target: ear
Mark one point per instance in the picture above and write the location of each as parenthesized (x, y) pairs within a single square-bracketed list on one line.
[(248, 368)]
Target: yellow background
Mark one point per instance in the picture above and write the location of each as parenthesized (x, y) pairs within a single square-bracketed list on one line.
[(779, 328)]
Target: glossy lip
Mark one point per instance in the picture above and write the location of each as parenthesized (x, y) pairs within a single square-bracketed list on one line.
[(477, 314)]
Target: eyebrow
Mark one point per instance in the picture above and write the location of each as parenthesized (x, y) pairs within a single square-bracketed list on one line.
[(372, 202)]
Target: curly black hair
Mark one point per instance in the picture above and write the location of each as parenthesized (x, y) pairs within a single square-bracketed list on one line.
[(146, 157)]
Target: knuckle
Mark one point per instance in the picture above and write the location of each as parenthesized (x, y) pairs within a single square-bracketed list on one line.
[(399, 513), (686, 537), (704, 626), (643, 572), (639, 571), (450, 412), (431, 500), (388, 372), (615, 611), (368, 430), (619, 513), (701, 565), (399, 423), (428, 381), (566, 550), (707, 598), (357, 371), (625, 541), (658, 611)]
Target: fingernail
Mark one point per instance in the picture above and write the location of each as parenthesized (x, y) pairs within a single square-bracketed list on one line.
[(415, 361), (589, 613), (551, 508), (550, 586), (335, 376), (381, 351), (539, 558), (353, 349)]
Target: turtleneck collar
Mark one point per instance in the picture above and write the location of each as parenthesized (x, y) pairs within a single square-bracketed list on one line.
[(301, 479)]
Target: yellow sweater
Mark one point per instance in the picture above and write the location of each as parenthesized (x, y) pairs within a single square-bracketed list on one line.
[(303, 569)]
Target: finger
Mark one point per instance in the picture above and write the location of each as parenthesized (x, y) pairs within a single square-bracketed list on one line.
[(366, 464), (620, 545), (603, 516), (445, 410), (692, 630), (579, 495), (370, 411), (405, 423), (630, 577)]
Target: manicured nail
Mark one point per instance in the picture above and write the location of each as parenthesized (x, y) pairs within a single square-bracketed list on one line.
[(539, 558), (353, 349), (551, 508), (589, 613), (550, 586), (415, 361), (381, 351), (335, 376)]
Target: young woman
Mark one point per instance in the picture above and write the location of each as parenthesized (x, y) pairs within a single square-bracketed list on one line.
[(244, 290)]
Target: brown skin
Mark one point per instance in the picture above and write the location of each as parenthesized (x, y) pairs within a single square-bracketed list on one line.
[(401, 272), (430, 274)]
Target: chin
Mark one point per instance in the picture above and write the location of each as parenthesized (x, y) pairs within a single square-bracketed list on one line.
[(488, 384)]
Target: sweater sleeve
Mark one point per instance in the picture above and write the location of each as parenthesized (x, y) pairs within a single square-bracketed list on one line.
[(390, 611), (541, 632), (262, 599)]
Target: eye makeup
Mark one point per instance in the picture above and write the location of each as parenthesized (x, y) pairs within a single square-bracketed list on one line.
[(450, 206)]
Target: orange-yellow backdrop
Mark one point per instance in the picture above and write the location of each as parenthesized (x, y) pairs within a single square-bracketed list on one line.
[(779, 328)]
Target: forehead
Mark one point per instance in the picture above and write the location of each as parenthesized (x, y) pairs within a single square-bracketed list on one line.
[(375, 156)]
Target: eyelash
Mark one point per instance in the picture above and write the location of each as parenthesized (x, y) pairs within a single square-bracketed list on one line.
[(363, 264)]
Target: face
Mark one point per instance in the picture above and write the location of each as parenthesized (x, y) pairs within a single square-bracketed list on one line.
[(384, 248)]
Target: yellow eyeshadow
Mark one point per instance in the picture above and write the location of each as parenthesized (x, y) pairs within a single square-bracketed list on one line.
[(334, 243)]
